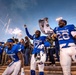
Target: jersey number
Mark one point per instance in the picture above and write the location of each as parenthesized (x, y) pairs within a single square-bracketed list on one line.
[(63, 36), (36, 44)]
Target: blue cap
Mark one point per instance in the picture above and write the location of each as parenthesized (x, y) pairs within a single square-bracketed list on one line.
[(10, 40)]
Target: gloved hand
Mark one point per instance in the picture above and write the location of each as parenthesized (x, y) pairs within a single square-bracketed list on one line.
[(41, 46), (54, 35), (25, 26), (22, 71)]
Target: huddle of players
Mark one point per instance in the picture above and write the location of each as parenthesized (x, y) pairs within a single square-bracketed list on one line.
[(65, 35)]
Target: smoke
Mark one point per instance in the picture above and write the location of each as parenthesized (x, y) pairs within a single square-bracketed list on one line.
[(11, 31), (17, 32), (15, 11), (7, 25)]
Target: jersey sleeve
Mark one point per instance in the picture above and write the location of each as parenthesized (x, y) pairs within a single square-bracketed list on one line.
[(47, 44), (55, 29), (17, 48), (72, 27), (30, 36), (44, 38)]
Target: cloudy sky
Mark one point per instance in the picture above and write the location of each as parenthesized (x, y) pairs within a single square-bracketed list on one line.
[(15, 13)]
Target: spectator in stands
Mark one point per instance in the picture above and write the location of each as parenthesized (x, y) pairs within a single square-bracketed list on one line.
[(27, 51), (51, 50), (1, 52), (4, 56), (16, 40), (57, 49), (21, 44)]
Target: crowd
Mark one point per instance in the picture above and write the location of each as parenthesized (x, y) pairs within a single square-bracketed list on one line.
[(27, 51)]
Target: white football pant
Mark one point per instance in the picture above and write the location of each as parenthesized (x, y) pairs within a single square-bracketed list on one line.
[(66, 56), (13, 68), (40, 66)]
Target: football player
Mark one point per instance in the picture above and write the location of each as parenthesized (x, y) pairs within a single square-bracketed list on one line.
[(38, 54), (15, 54), (66, 34)]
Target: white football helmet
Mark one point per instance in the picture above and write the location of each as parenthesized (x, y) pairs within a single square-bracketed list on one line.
[(41, 57)]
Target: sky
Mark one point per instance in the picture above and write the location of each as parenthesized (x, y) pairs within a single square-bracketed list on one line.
[(15, 13)]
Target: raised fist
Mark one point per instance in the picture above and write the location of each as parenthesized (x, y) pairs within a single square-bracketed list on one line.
[(25, 26)]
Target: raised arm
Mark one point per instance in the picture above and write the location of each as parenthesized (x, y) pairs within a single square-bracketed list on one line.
[(27, 32)]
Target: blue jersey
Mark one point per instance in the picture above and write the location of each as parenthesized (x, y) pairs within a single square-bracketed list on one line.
[(64, 35), (1, 49), (37, 41), (21, 46), (13, 52)]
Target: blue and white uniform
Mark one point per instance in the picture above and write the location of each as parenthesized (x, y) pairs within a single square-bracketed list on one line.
[(67, 46), (15, 65), (38, 43), (64, 35)]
